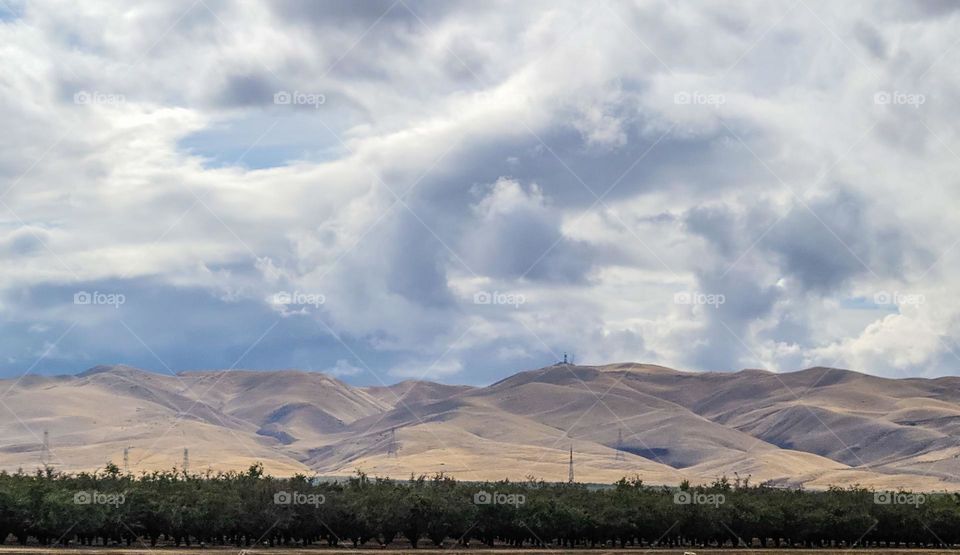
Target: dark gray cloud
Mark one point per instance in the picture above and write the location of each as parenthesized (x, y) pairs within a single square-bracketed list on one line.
[(250, 89), (516, 235), (917, 11), (828, 241), (333, 13), (416, 262), (716, 224), (870, 38)]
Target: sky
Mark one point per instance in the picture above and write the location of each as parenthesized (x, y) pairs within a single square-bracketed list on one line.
[(457, 191)]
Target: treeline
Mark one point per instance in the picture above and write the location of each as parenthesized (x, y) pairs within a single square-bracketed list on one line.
[(243, 509)]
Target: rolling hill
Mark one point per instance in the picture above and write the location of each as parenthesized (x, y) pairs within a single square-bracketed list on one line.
[(816, 427)]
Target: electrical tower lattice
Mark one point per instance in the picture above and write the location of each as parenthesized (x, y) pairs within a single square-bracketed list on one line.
[(619, 455), (392, 444)]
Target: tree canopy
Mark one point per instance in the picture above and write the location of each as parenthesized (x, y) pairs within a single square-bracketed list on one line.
[(109, 508)]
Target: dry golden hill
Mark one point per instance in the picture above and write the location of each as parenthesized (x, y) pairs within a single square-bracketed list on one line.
[(815, 427)]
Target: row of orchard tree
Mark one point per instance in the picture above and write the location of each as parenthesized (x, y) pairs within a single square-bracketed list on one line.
[(242, 509)]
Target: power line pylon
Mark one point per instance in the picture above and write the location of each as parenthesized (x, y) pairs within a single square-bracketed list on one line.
[(126, 459), (392, 444), (619, 455), (45, 450), (186, 460), (570, 472)]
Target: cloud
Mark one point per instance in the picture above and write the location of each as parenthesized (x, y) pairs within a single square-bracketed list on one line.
[(516, 235), (469, 148), (343, 369)]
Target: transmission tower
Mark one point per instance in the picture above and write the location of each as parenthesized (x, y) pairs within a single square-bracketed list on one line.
[(45, 450), (570, 472), (186, 460), (392, 444), (619, 455), (126, 459)]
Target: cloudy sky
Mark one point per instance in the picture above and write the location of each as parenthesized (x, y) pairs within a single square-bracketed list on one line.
[(462, 190)]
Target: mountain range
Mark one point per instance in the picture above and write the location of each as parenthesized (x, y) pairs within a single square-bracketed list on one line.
[(815, 427)]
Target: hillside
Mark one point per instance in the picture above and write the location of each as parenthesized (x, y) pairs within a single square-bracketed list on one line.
[(816, 427)]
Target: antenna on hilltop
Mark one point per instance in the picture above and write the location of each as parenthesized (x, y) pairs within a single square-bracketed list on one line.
[(564, 358), (619, 455), (570, 472)]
